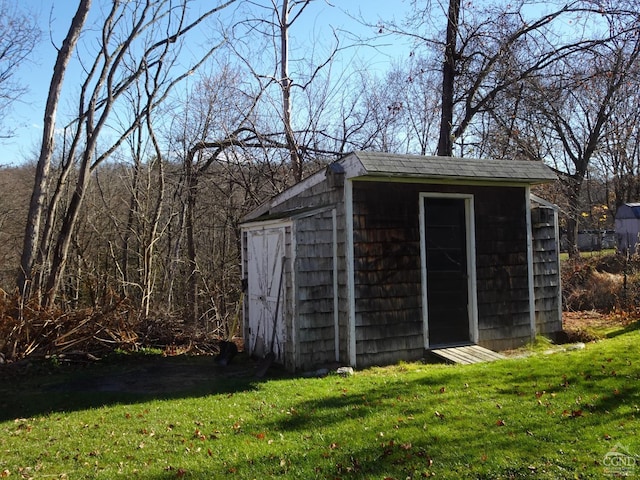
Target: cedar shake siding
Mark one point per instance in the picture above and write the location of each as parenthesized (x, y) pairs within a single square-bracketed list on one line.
[(388, 298), (366, 244)]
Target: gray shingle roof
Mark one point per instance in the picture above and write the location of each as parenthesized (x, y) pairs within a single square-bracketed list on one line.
[(394, 165), (628, 210)]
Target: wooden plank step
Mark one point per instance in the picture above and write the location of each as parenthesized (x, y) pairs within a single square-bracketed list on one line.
[(466, 354)]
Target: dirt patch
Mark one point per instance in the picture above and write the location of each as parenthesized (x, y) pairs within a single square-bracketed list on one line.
[(583, 326)]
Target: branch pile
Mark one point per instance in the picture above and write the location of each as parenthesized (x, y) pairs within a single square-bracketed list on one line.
[(28, 331)]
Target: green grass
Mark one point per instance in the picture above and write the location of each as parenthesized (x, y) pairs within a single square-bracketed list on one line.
[(545, 416), (596, 253)]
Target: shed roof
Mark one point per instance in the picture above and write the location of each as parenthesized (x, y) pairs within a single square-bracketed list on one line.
[(417, 168), (628, 210), (454, 168)]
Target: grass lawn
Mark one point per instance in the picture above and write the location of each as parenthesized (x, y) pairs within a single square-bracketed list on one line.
[(567, 415), (595, 253)]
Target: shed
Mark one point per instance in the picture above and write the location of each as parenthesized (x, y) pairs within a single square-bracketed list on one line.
[(380, 257), (627, 224)]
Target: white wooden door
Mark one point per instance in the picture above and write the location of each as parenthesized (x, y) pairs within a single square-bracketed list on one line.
[(266, 291)]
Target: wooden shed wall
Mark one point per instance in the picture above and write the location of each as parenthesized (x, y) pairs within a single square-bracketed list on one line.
[(387, 268), (315, 291), (502, 270), (313, 311), (546, 271), (387, 277), (388, 303)]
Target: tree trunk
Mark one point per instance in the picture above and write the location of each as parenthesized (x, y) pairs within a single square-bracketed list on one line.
[(572, 220), (285, 84), (32, 230), (192, 266), (153, 237), (63, 240), (445, 142)]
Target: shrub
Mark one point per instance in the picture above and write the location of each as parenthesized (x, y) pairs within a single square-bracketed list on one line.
[(602, 283)]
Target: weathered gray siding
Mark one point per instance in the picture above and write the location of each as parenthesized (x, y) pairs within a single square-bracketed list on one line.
[(315, 289), (387, 267), (546, 271), (501, 267), (387, 270), (311, 311), (388, 300)]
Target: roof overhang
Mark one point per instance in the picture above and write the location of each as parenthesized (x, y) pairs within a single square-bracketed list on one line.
[(379, 166), (447, 169)]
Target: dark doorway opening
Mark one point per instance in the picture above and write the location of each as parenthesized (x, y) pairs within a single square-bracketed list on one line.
[(447, 275)]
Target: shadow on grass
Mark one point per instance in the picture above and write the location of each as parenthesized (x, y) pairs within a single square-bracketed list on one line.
[(627, 329), (43, 388)]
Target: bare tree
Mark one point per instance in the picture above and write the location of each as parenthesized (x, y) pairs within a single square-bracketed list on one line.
[(32, 231), (575, 104), (486, 49), (15, 183), (402, 108), (619, 159), (263, 44), (19, 34), (449, 65), (138, 42)]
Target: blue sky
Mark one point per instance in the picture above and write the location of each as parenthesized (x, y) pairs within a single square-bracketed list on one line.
[(55, 15)]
